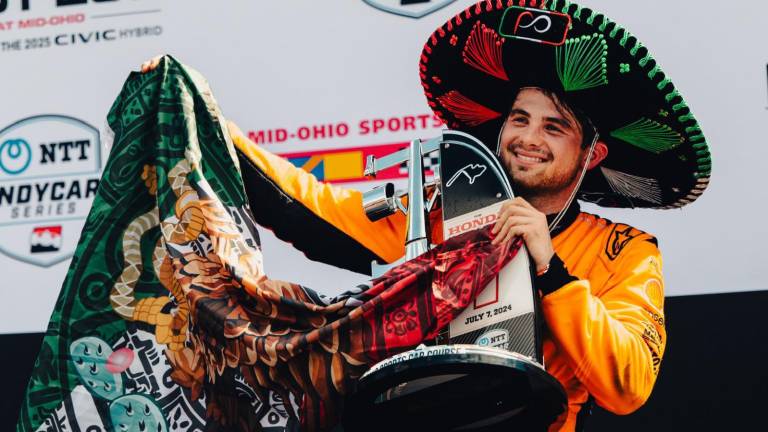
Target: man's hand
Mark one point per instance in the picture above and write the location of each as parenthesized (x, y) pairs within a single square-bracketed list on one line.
[(151, 64), (517, 218)]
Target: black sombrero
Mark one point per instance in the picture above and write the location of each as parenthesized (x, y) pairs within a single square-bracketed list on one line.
[(475, 63)]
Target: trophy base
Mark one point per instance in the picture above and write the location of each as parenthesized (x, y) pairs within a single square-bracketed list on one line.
[(455, 388)]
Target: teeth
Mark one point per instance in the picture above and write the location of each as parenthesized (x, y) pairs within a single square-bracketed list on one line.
[(529, 159)]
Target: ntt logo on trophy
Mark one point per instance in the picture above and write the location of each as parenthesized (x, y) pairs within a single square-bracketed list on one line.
[(495, 338), (49, 173)]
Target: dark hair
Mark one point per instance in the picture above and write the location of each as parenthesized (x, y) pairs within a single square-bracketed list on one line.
[(562, 105)]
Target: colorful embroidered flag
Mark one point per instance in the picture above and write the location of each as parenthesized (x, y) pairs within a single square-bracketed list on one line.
[(166, 320)]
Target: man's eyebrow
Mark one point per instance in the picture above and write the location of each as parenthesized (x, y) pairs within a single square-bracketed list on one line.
[(561, 121)]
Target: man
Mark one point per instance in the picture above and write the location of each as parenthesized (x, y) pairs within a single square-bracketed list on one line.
[(534, 92)]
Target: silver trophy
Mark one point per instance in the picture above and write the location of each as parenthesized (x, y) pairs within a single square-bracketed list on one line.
[(487, 370)]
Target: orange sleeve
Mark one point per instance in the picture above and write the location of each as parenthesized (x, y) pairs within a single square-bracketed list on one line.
[(324, 221), (614, 340)]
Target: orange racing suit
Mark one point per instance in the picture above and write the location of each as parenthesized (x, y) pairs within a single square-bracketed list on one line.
[(602, 297)]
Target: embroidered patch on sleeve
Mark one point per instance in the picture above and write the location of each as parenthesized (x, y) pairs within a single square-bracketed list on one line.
[(618, 239)]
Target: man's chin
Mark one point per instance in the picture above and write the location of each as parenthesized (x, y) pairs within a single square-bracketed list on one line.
[(528, 177)]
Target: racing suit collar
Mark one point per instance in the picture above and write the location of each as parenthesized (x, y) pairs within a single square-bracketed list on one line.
[(568, 218)]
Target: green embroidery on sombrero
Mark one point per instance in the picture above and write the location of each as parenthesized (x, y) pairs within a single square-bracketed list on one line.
[(671, 95), (644, 61), (614, 31), (632, 186), (685, 117), (582, 62), (604, 24), (649, 135)]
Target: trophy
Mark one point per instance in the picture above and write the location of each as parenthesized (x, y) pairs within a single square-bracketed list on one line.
[(486, 371)]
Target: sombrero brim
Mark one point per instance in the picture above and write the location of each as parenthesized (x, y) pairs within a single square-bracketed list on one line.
[(473, 65)]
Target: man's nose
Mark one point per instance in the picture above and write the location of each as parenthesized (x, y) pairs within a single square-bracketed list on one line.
[(531, 137)]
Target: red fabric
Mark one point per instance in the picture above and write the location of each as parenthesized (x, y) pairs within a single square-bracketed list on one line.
[(283, 337)]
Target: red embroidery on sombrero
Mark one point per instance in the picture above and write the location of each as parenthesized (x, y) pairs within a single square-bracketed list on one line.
[(466, 110), (483, 51)]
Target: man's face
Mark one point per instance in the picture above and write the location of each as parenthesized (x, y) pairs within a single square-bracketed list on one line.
[(541, 145)]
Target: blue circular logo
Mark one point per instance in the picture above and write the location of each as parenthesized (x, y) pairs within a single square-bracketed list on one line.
[(15, 156), (483, 341)]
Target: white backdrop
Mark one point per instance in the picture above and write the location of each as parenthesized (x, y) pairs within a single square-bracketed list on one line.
[(295, 65)]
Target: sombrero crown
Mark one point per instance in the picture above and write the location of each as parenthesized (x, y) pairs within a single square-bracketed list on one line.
[(473, 65)]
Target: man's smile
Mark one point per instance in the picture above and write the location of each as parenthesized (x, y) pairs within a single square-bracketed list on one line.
[(527, 158)]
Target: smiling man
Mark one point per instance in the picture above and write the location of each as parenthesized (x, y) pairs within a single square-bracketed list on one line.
[(545, 148), (576, 108)]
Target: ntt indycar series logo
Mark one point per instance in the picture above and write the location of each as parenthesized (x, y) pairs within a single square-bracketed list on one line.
[(49, 172)]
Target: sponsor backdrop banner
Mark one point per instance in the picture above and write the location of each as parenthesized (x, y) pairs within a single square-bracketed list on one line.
[(326, 84)]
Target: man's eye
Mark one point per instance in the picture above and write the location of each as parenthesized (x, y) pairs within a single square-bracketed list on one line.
[(519, 120), (553, 128)]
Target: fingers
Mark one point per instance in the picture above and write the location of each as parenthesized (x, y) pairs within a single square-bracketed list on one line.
[(151, 64), (518, 205), (511, 227), (509, 220), (517, 217), (513, 232), (515, 208)]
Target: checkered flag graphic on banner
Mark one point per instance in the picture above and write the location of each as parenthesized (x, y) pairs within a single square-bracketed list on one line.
[(430, 165)]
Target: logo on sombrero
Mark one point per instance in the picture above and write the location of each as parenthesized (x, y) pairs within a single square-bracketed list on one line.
[(49, 173), (409, 8), (536, 25)]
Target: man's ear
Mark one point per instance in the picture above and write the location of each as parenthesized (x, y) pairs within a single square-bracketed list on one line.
[(598, 154)]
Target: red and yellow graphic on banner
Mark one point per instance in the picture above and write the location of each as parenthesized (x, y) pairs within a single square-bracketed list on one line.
[(346, 165)]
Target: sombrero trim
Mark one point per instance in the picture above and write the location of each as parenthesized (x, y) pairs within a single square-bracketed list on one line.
[(645, 61)]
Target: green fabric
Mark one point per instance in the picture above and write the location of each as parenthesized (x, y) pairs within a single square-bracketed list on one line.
[(158, 120)]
